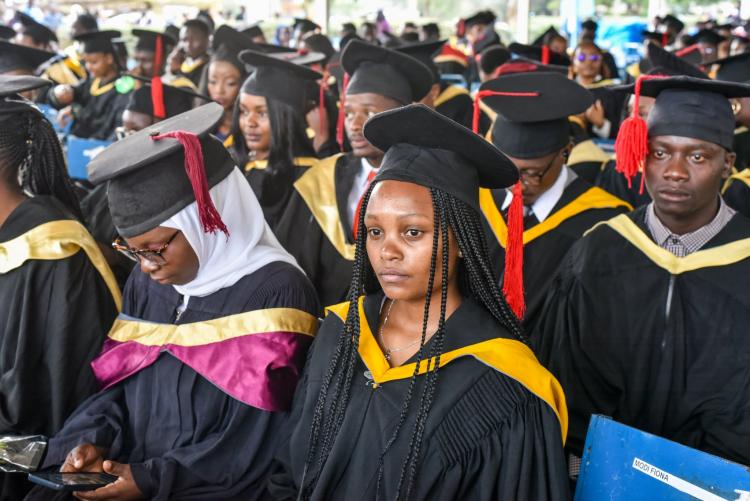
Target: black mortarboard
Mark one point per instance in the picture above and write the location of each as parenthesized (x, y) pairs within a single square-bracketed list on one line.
[(278, 79), (12, 85), (590, 24), (148, 176), (533, 111), (200, 23), (481, 17), (230, 38), (707, 36), (7, 33), (431, 29), (320, 43), (410, 37), (147, 39), (253, 31), (423, 147), (537, 54), (385, 72), (304, 25), (302, 58), (173, 31), (661, 38), (545, 37), (734, 68), (425, 52), (98, 41), (672, 22), (205, 16), (492, 58), (661, 58), (176, 99), (40, 33), (20, 57)]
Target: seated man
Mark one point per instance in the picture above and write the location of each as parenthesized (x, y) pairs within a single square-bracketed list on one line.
[(647, 319), (559, 206)]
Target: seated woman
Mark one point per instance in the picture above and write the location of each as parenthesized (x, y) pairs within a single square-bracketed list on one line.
[(203, 362), (420, 386), (269, 129), (58, 297)]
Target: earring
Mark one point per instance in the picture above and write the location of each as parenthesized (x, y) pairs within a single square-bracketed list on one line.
[(736, 107)]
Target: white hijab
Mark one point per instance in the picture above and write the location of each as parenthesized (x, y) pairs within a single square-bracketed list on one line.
[(224, 261)]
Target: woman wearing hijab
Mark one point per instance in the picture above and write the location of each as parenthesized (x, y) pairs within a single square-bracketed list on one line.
[(421, 386), (201, 365)]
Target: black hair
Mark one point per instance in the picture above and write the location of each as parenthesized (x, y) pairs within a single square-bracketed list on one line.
[(226, 55), (476, 279), (288, 137), (32, 158), (87, 21)]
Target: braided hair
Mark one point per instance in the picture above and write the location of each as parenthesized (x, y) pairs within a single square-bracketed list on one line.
[(31, 157), (476, 280)]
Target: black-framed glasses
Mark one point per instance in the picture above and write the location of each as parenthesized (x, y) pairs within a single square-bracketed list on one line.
[(536, 179), (150, 255)]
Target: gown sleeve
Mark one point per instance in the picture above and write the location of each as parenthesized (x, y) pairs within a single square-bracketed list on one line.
[(299, 233), (737, 197)]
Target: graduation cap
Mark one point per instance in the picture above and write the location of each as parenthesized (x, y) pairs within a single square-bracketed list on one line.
[(156, 172), (386, 72), (320, 43), (253, 31), (523, 65), (230, 38), (7, 33), (481, 17), (707, 36), (545, 37), (20, 57), (692, 54), (590, 24), (533, 110), (425, 53), (12, 85), (541, 54), (301, 58), (147, 40), (348, 38), (304, 25), (674, 65), (174, 100), (431, 29), (734, 68), (279, 79), (492, 58), (673, 22), (685, 106), (173, 31), (423, 147), (205, 16), (40, 33), (200, 23), (660, 37), (98, 41)]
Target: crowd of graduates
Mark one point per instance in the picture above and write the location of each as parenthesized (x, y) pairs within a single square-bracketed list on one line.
[(369, 265)]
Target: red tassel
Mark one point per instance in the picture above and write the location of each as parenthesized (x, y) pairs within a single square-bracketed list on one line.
[(484, 93), (664, 39), (509, 68), (687, 50), (545, 54), (631, 145), (342, 113), (513, 278), (157, 87), (196, 172), (461, 28)]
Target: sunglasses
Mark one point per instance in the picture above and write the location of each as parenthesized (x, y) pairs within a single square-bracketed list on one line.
[(150, 255), (591, 57)]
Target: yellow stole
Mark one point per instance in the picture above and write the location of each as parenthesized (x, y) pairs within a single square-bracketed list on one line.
[(449, 93), (587, 151), (722, 255), (507, 356), (191, 67), (593, 198), (742, 176), (57, 240), (317, 187), (263, 164), (97, 90)]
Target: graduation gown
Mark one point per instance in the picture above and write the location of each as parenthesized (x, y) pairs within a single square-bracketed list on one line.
[(737, 193), (494, 430), (741, 146), (315, 228), (194, 71), (274, 189), (587, 160), (613, 102), (455, 103), (615, 183), (166, 407), (98, 108), (58, 299), (580, 207), (655, 341)]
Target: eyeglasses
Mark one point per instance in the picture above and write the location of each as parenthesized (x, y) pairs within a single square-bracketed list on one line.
[(152, 256), (530, 179), (591, 57)]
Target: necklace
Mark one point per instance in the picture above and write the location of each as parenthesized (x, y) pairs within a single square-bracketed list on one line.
[(390, 351)]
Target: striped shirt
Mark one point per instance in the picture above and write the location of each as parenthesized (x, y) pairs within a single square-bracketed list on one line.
[(682, 245)]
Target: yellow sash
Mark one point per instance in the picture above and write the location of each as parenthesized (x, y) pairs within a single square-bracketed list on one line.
[(57, 240), (263, 164), (96, 90), (190, 67), (588, 151), (449, 93)]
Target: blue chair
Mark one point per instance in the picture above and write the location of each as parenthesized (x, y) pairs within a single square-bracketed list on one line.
[(81, 152)]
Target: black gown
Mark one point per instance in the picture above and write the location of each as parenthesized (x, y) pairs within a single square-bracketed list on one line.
[(655, 341), (588, 160), (194, 72), (315, 228), (98, 108), (737, 194), (488, 435), (183, 436), (56, 312), (580, 207), (741, 146), (456, 103), (615, 183)]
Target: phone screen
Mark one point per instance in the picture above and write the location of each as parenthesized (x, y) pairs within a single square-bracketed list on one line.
[(72, 481)]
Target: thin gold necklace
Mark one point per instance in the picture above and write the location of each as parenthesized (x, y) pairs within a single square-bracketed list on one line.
[(390, 351)]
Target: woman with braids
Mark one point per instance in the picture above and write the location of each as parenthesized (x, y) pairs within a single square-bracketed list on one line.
[(421, 386), (58, 298), (269, 135)]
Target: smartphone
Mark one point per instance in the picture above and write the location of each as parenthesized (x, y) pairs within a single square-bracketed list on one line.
[(83, 481)]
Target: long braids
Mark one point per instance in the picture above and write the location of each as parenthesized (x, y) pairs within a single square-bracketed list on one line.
[(32, 156)]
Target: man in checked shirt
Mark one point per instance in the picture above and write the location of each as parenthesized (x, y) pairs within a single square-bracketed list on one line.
[(647, 320)]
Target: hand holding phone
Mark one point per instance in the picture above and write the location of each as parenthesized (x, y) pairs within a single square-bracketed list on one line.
[(72, 482)]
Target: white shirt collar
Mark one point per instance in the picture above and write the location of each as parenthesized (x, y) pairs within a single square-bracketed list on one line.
[(547, 200), (358, 187)]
